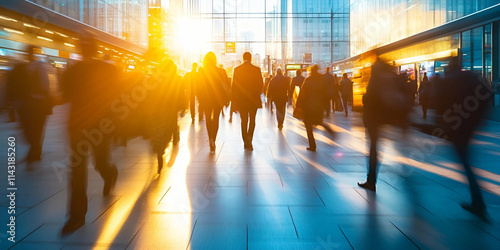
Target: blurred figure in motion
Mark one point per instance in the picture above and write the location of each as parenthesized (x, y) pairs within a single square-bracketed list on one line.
[(413, 87), (436, 82), (231, 109), (346, 91), (311, 101), (214, 95), (297, 82), (462, 101), (277, 93), (167, 99), (132, 123), (424, 93), (28, 90), (191, 82), (245, 95), (91, 87), (331, 85), (388, 100), (265, 91)]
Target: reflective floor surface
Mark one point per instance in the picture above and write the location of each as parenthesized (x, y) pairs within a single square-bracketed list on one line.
[(280, 196)]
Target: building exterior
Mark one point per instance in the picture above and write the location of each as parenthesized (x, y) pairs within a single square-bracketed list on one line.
[(422, 36), (120, 28), (285, 31), (126, 19), (157, 20)]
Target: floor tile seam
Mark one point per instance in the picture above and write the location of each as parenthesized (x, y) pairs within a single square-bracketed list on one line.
[(19, 241)]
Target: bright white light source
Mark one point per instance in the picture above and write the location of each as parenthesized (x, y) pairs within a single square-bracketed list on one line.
[(44, 38)]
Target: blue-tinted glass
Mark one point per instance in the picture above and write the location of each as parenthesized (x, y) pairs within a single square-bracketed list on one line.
[(487, 52), (466, 50)]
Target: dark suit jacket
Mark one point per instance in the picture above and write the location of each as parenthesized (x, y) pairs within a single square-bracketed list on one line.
[(312, 98), (214, 88), (28, 88), (296, 82), (91, 87), (346, 89), (278, 88), (247, 87), (330, 83)]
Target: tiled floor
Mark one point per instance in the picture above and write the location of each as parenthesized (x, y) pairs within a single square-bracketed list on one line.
[(280, 196)]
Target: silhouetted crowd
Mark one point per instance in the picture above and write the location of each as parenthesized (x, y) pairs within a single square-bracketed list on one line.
[(108, 104)]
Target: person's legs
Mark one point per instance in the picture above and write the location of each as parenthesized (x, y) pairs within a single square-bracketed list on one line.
[(35, 135), (200, 112), (280, 113), (231, 111), (209, 125), (344, 102), (424, 110), (175, 129), (327, 128), (477, 206), (310, 136), (215, 123), (373, 160), (251, 127), (103, 165), (192, 107), (244, 126), (77, 184), (327, 107)]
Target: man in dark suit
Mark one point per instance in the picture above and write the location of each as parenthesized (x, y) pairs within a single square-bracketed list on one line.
[(277, 93), (245, 96), (91, 87), (330, 84)]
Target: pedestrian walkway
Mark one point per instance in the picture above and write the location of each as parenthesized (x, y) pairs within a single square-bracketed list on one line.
[(280, 196)]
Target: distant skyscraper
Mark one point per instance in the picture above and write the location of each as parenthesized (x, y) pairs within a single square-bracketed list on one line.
[(126, 19), (285, 30)]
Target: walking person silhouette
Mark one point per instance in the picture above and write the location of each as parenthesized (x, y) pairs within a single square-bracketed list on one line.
[(90, 86), (311, 100), (245, 95), (213, 95)]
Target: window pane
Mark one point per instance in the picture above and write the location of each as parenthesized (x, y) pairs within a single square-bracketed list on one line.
[(477, 50), (466, 50)]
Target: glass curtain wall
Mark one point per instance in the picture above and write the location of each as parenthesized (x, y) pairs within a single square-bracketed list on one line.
[(126, 19), (376, 23), (476, 51), (284, 30)]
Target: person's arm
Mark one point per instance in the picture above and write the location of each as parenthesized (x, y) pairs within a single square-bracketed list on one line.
[(260, 80), (227, 87), (233, 85), (303, 95)]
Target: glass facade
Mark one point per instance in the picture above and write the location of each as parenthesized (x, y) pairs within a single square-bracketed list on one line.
[(376, 23), (476, 51), (126, 19), (287, 31)]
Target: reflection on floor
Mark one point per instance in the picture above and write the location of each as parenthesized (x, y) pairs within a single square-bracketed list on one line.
[(280, 196)]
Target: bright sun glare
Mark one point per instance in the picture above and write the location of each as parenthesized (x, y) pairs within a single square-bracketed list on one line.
[(190, 34)]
